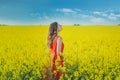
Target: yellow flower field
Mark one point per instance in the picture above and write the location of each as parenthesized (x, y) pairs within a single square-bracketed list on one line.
[(90, 53)]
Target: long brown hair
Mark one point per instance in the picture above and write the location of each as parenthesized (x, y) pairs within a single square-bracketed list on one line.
[(52, 33)]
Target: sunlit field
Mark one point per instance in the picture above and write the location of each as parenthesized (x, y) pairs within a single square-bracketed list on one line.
[(90, 53)]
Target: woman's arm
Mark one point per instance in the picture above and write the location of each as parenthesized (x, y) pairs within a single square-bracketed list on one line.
[(59, 44)]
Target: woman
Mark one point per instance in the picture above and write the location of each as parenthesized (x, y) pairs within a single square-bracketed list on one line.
[(56, 47)]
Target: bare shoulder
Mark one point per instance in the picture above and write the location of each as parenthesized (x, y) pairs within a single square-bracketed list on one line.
[(59, 38)]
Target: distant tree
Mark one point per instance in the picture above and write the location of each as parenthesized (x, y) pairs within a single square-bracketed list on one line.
[(76, 24), (3, 25), (118, 24)]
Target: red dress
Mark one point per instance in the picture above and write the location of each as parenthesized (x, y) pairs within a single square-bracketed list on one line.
[(54, 58)]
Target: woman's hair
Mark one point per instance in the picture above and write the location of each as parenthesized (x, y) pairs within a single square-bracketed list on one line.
[(52, 33)]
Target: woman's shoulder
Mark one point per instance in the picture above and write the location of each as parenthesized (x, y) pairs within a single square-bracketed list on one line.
[(59, 37)]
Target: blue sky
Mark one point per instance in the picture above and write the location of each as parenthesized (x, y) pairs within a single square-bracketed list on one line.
[(85, 12)]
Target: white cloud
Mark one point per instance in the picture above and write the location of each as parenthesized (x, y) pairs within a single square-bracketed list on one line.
[(100, 13), (96, 12), (73, 16), (70, 16), (118, 15), (83, 16), (49, 19), (98, 20), (66, 10), (114, 16), (109, 10), (109, 15), (101, 21)]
